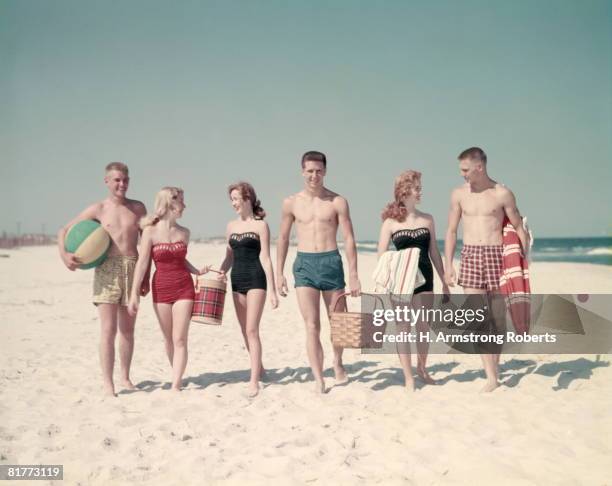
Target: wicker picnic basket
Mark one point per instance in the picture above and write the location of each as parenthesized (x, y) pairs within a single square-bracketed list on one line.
[(353, 329)]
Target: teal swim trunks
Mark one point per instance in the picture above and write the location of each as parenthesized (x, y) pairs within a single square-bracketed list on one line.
[(322, 271)]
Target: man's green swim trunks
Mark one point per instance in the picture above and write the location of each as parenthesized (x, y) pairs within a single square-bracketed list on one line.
[(322, 271)]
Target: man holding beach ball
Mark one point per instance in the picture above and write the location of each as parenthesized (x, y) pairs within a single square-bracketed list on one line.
[(105, 236)]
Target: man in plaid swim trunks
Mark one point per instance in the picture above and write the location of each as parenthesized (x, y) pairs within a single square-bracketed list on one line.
[(481, 203)]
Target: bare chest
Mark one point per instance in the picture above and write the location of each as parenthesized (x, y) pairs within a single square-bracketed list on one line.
[(119, 219), (317, 212), (483, 204)]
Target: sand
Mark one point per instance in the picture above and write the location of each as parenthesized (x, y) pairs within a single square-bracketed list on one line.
[(549, 424)]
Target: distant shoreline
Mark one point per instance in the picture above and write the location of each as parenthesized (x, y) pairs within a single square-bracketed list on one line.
[(596, 250)]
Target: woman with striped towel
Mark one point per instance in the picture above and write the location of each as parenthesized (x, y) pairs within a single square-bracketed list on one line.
[(409, 228)]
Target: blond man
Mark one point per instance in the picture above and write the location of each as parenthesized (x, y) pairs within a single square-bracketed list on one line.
[(119, 216), (481, 203)]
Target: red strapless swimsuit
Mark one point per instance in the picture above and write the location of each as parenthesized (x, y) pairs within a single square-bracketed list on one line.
[(171, 281)]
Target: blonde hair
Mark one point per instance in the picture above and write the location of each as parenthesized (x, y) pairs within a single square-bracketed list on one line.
[(165, 200), (120, 166), (402, 189)]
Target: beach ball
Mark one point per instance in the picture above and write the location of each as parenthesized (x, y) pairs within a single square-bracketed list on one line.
[(89, 243)]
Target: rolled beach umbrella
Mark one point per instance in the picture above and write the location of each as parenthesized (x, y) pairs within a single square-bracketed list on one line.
[(514, 281)]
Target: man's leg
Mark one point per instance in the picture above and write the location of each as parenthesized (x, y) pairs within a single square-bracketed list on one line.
[(329, 297), (308, 300), (489, 361), (108, 331), (126, 344), (497, 305)]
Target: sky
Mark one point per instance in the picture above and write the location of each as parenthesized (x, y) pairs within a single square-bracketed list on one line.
[(200, 94)]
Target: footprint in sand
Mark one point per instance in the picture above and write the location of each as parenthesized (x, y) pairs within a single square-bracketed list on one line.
[(109, 444), (50, 431)]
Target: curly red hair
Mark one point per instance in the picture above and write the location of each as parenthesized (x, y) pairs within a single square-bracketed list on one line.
[(402, 189), (247, 191)]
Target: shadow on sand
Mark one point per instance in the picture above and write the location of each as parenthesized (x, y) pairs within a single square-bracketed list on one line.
[(278, 376), (381, 378)]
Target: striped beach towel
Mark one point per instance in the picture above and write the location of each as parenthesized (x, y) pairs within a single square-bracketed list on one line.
[(397, 272), (514, 280)]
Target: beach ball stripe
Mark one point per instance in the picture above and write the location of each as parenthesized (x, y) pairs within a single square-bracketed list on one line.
[(89, 242)]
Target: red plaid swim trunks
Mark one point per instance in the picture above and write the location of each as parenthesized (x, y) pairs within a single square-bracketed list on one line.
[(481, 266)]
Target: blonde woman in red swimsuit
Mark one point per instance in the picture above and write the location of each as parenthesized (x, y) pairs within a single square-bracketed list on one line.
[(166, 242)]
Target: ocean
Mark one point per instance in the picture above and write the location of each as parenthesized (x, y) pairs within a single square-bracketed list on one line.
[(581, 250)]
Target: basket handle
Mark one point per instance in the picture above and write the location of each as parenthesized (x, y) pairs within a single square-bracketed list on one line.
[(213, 270), (197, 287), (337, 299)]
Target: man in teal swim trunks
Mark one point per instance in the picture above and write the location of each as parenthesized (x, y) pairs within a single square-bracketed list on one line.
[(317, 213)]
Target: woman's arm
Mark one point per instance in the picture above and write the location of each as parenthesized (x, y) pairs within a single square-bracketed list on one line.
[(228, 261), (434, 254), (188, 264), (266, 262), (384, 237)]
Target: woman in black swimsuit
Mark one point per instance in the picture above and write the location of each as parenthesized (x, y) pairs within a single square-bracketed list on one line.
[(248, 255), (407, 227)]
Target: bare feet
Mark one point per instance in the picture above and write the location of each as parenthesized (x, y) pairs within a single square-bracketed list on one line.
[(109, 390), (490, 386), (253, 390), (425, 377), (127, 385), (176, 387), (409, 385), (263, 376), (320, 387), (340, 374)]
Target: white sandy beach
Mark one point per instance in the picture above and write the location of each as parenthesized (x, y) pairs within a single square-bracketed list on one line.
[(550, 424)]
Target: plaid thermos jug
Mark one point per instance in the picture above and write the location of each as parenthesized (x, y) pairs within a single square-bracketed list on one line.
[(209, 301)]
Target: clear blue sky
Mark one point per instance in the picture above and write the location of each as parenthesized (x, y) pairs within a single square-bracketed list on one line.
[(200, 94)]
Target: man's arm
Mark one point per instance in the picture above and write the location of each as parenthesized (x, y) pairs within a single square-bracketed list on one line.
[(69, 259), (509, 202), (450, 241), (282, 245), (346, 226), (144, 261), (141, 211)]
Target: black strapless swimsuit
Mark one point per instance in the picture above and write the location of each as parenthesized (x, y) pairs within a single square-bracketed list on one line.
[(417, 238), (247, 272)]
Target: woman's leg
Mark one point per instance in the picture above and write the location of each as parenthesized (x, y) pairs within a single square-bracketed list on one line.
[(240, 304), (424, 300), (181, 316), (403, 352), (256, 299), (164, 316)]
